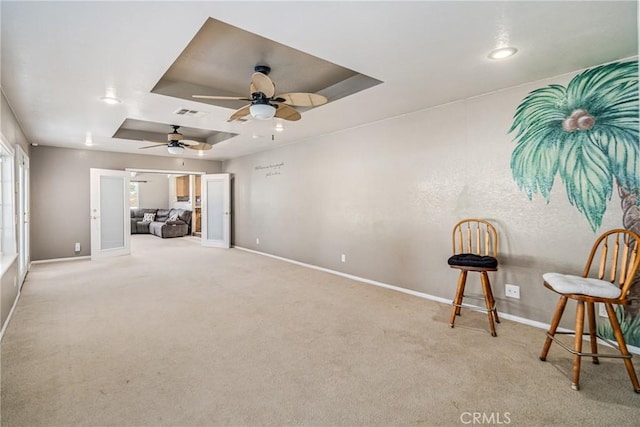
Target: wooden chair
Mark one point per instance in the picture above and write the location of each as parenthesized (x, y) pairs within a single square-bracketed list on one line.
[(606, 279), (475, 248)]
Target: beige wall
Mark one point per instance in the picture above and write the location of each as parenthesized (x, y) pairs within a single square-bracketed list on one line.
[(154, 193), (388, 194), (60, 193)]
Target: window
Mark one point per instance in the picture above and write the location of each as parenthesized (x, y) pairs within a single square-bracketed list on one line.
[(7, 205), (134, 194)]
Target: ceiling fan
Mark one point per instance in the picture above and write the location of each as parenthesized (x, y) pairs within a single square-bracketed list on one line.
[(176, 144), (265, 104)]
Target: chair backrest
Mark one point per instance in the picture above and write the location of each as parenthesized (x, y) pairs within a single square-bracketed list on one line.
[(475, 236), (614, 257)]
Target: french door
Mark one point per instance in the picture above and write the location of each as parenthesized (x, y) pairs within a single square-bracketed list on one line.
[(216, 210), (24, 257), (110, 217)]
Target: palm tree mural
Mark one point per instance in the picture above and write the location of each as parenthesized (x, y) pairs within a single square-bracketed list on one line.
[(587, 134)]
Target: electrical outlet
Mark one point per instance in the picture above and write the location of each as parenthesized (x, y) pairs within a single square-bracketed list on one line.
[(257, 241), (512, 291), (343, 258), (77, 247)]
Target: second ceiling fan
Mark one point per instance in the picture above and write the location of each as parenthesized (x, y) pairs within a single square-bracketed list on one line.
[(176, 143), (265, 104)]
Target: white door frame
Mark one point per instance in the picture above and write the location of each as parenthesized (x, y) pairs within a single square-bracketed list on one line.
[(24, 248), (218, 210), (97, 251)]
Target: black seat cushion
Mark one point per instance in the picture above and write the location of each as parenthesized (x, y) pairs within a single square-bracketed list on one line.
[(473, 260)]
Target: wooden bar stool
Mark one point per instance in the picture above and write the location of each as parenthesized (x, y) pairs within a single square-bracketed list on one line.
[(607, 279), (475, 249)]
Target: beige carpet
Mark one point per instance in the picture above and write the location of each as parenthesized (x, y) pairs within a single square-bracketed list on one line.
[(179, 335)]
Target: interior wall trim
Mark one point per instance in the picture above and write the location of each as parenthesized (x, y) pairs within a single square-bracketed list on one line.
[(76, 258), (518, 319), (9, 316)]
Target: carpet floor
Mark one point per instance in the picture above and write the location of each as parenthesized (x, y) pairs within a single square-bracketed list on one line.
[(180, 335)]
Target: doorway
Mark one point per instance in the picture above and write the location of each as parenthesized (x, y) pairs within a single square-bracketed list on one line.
[(206, 195), (165, 189)]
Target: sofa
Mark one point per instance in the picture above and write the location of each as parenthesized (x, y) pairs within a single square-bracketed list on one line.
[(163, 223)]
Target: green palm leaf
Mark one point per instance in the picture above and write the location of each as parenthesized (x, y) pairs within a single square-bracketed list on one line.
[(587, 157), (584, 169), (599, 89), (610, 94), (541, 108), (621, 147), (534, 162)]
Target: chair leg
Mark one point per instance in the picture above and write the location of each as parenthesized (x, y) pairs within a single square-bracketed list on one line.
[(457, 301), (463, 284), (617, 332), (493, 303), (486, 287), (562, 303), (577, 345), (592, 331)]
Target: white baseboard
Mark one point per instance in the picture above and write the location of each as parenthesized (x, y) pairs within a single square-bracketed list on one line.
[(45, 261), (507, 316), (8, 319)]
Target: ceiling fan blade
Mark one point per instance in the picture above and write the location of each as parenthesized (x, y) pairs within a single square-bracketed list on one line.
[(222, 98), (201, 146), (189, 142), (299, 99), (287, 113), (262, 83), (151, 146), (244, 111), (153, 142)]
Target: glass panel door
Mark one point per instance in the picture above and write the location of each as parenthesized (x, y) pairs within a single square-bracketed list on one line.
[(216, 213), (23, 214), (110, 224)]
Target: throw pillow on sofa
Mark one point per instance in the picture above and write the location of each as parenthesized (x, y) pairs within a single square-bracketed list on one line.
[(148, 217), (173, 217)]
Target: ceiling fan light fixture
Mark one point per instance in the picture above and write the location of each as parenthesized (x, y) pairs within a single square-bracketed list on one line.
[(262, 111), (503, 52), (175, 149), (111, 100)]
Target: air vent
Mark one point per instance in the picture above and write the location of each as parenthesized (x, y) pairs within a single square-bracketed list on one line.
[(190, 113)]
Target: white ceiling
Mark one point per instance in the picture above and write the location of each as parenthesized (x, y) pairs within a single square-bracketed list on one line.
[(59, 58)]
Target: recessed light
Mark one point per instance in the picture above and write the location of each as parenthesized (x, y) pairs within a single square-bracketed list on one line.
[(279, 127), (200, 153), (502, 53), (110, 100)]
